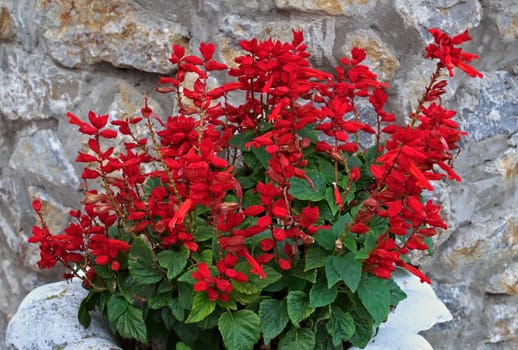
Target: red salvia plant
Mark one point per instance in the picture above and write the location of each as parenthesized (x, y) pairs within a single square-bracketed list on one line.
[(265, 222)]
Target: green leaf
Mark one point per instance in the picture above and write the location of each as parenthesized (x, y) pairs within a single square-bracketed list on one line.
[(84, 311), (309, 132), (297, 272), (240, 330), (274, 318), (116, 306), (320, 295), (350, 243), (297, 339), (150, 184), (364, 326), (182, 346), (331, 274), (298, 307), (173, 261), (327, 169), (349, 270), (141, 263), (396, 294), (177, 310), (203, 233), (340, 326), (301, 188), (315, 258), (201, 307), (131, 324), (327, 238), (239, 140), (262, 156), (255, 284), (323, 341), (375, 296), (429, 243)]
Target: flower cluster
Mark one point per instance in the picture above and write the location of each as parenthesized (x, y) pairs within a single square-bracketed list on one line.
[(271, 205)]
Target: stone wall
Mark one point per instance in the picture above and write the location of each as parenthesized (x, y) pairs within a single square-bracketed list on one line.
[(75, 55)]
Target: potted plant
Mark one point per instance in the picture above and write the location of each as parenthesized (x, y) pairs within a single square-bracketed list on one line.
[(269, 223)]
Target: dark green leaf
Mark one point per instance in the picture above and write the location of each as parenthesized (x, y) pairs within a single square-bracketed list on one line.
[(203, 233), (302, 189), (331, 274), (315, 257), (141, 263), (131, 324), (320, 295), (340, 326), (240, 330), (84, 311), (201, 307), (327, 169), (177, 310), (364, 325), (349, 270), (239, 140), (350, 243), (396, 294), (173, 261), (309, 132), (323, 341), (375, 296), (150, 184), (274, 318), (168, 318), (327, 238), (298, 307), (310, 276), (116, 306), (262, 156), (297, 339)]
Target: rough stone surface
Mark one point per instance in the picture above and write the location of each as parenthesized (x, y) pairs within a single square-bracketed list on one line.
[(87, 32), (63, 55), (47, 319)]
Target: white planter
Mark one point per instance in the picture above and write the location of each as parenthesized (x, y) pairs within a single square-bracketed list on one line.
[(47, 319)]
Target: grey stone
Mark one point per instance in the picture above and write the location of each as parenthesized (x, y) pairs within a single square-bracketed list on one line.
[(47, 319), (88, 32), (32, 87), (452, 16), (501, 317), (489, 107), (42, 154)]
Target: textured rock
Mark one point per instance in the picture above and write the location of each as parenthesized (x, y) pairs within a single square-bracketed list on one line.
[(330, 7), (33, 87), (87, 32), (505, 15), (502, 316), (453, 16), (47, 319), (42, 154)]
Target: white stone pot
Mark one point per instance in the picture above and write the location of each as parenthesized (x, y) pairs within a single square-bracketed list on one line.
[(47, 319)]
